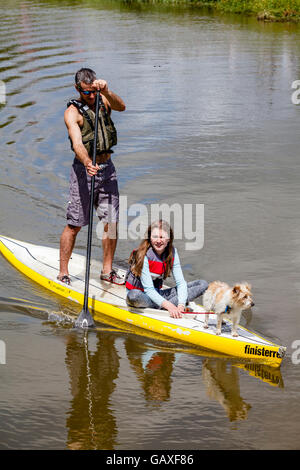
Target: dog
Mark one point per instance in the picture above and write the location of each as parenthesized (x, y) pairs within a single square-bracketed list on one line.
[(227, 302)]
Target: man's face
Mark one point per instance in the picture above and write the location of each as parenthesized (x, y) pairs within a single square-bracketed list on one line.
[(88, 98)]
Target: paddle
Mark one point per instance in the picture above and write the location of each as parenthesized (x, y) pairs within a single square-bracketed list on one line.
[(85, 319)]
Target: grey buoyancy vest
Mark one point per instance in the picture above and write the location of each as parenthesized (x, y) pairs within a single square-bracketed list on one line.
[(157, 267), (107, 134)]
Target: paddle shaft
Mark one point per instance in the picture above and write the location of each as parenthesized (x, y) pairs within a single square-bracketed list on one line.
[(90, 228)]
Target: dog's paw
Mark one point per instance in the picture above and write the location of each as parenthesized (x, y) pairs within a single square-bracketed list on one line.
[(235, 335), (218, 332), (205, 326)]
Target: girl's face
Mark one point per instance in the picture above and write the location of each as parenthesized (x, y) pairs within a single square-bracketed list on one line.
[(159, 240)]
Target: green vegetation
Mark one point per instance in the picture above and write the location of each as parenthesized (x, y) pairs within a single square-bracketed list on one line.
[(267, 10), (264, 10)]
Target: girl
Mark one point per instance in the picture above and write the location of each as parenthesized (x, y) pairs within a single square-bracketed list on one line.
[(153, 262)]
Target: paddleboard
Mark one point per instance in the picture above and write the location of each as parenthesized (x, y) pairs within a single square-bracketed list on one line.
[(41, 264)]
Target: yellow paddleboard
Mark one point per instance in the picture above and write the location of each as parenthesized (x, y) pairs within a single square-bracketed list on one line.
[(41, 264)]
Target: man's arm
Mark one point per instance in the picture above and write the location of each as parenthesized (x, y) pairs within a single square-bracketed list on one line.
[(71, 120), (115, 102)]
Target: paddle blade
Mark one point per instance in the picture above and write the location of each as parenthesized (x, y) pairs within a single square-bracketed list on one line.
[(84, 320)]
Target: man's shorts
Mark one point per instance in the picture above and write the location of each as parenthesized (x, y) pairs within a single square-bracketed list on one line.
[(106, 195)]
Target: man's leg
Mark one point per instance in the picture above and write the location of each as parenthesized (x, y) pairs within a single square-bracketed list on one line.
[(67, 242), (109, 244), (77, 215), (107, 203)]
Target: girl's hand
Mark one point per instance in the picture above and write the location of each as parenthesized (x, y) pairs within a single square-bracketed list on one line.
[(172, 309), (181, 308)]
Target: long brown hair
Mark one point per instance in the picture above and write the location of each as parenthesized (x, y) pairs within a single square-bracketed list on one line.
[(136, 259)]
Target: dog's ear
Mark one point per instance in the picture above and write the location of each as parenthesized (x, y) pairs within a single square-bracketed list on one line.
[(246, 285), (236, 289)]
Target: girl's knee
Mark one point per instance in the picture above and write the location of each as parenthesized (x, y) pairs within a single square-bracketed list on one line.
[(197, 289), (130, 298), (198, 284), (133, 298), (203, 285)]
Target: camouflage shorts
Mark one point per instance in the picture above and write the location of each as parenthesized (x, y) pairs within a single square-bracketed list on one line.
[(106, 195)]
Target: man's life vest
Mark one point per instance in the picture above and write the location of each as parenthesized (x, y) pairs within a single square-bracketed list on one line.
[(157, 268), (107, 134)]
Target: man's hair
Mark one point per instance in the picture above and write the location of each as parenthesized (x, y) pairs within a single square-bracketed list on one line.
[(85, 75)]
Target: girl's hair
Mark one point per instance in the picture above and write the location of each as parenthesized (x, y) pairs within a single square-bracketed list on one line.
[(136, 259)]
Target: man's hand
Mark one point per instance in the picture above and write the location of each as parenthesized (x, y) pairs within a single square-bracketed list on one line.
[(114, 101), (100, 85), (91, 169)]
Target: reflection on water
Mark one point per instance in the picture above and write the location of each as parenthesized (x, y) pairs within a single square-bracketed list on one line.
[(223, 385), (153, 369), (269, 375), (91, 419), (90, 422), (93, 373)]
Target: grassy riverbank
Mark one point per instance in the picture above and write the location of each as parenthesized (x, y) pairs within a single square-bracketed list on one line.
[(267, 10), (264, 10)]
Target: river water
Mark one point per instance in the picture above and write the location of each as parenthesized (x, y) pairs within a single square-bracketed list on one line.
[(209, 121)]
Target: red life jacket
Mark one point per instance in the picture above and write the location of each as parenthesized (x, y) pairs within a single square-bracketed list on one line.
[(157, 268)]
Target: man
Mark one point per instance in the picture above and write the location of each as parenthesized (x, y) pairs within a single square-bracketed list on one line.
[(80, 121)]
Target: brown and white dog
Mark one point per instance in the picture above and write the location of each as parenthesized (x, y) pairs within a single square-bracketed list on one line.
[(227, 302)]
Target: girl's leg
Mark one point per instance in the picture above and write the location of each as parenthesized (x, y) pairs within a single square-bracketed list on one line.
[(168, 293), (195, 289), (138, 298)]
